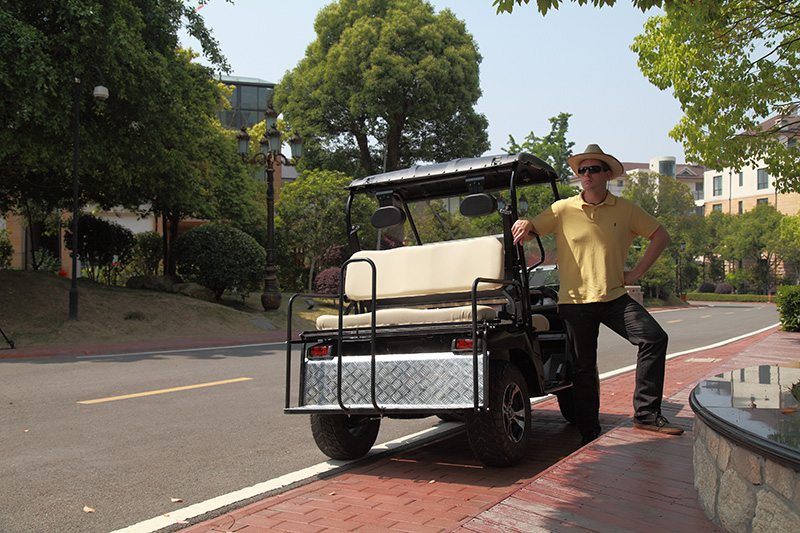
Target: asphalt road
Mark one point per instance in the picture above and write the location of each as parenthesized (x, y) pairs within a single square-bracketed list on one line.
[(125, 435)]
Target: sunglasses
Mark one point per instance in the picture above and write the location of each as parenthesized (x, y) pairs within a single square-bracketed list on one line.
[(594, 169)]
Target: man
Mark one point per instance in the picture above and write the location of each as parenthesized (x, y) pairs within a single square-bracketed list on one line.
[(594, 232)]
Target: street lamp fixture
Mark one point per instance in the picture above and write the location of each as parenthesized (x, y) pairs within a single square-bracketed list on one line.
[(270, 156), (100, 92)]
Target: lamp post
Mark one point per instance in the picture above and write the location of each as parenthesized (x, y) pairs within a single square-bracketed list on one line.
[(270, 156), (100, 92)]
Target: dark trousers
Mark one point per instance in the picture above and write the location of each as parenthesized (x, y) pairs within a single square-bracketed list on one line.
[(631, 321)]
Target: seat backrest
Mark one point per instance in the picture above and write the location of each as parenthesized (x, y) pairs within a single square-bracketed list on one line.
[(438, 268)]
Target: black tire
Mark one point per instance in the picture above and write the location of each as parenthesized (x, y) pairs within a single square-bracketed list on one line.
[(566, 404), (500, 435), (344, 437)]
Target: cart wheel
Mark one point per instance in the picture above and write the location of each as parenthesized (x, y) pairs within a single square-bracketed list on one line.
[(499, 436), (344, 437), (566, 404)]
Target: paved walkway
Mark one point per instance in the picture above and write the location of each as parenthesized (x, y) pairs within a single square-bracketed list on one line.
[(626, 480)]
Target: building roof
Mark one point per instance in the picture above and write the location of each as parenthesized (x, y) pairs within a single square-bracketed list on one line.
[(246, 81)]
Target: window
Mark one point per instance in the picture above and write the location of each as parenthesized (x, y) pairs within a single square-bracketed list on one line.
[(741, 179), (717, 185), (717, 207), (762, 201), (741, 208), (763, 178), (666, 168)]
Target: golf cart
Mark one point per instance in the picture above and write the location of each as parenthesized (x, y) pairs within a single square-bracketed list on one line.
[(449, 328)]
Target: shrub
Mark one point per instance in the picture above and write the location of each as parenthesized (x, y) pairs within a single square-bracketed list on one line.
[(788, 300), (148, 253), (6, 249), (221, 258), (711, 297), (104, 247), (45, 260), (706, 287), (327, 281), (723, 288)]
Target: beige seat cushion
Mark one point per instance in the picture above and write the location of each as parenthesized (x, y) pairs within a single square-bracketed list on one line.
[(438, 268), (400, 316)]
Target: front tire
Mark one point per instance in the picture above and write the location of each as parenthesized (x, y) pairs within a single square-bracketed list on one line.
[(344, 437), (500, 435)]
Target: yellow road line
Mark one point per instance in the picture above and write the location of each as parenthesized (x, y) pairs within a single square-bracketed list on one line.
[(674, 321), (706, 316), (162, 391), (729, 313)]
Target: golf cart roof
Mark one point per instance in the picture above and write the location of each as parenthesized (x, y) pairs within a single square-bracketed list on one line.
[(442, 180)]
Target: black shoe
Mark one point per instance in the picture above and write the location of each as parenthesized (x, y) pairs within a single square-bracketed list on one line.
[(589, 437), (657, 423)]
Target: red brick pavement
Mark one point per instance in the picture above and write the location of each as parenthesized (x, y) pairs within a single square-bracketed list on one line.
[(626, 480)]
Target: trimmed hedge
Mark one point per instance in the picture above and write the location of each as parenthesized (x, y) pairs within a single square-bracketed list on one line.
[(788, 300), (711, 297)]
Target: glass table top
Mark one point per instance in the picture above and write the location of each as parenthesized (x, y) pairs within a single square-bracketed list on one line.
[(757, 400)]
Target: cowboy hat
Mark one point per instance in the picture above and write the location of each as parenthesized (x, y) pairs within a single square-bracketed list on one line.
[(593, 151)]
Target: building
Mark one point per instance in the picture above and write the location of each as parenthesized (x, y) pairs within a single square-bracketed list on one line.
[(732, 191)]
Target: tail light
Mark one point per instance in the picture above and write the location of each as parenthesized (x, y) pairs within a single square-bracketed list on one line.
[(319, 352), (465, 345)]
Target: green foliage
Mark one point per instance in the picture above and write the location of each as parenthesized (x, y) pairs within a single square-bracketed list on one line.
[(662, 196), (553, 148), (388, 83), (49, 43), (788, 300), (221, 258), (711, 297), (310, 219), (732, 64), (103, 246), (43, 259), (6, 249), (148, 253), (507, 6)]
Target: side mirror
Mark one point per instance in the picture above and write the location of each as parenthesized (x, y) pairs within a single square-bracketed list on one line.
[(387, 216), (478, 205)]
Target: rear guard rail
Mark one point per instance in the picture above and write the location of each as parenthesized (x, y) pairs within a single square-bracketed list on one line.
[(373, 336)]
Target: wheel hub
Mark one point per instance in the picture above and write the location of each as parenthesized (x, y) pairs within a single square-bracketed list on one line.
[(514, 413)]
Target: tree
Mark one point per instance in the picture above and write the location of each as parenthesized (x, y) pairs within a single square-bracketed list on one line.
[(389, 81), (669, 201), (553, 148), (131, 143), (790, 242), (732, 64), (310, 220), (755, 240), (662, 196)]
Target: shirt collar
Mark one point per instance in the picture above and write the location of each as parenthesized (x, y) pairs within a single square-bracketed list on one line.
[(610, 199)]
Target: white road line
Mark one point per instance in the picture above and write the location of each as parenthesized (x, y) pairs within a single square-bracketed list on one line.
[(199, 509), (622, 370)]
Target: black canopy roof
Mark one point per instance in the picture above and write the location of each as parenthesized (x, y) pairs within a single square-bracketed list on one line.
[(442, 180)]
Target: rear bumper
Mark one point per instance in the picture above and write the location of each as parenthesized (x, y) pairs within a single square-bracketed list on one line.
[(403, 383)]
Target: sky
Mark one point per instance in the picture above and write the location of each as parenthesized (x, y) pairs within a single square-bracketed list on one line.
[(576, 59)]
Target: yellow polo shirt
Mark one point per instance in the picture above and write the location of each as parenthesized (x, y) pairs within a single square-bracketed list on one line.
[(593, 243)]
